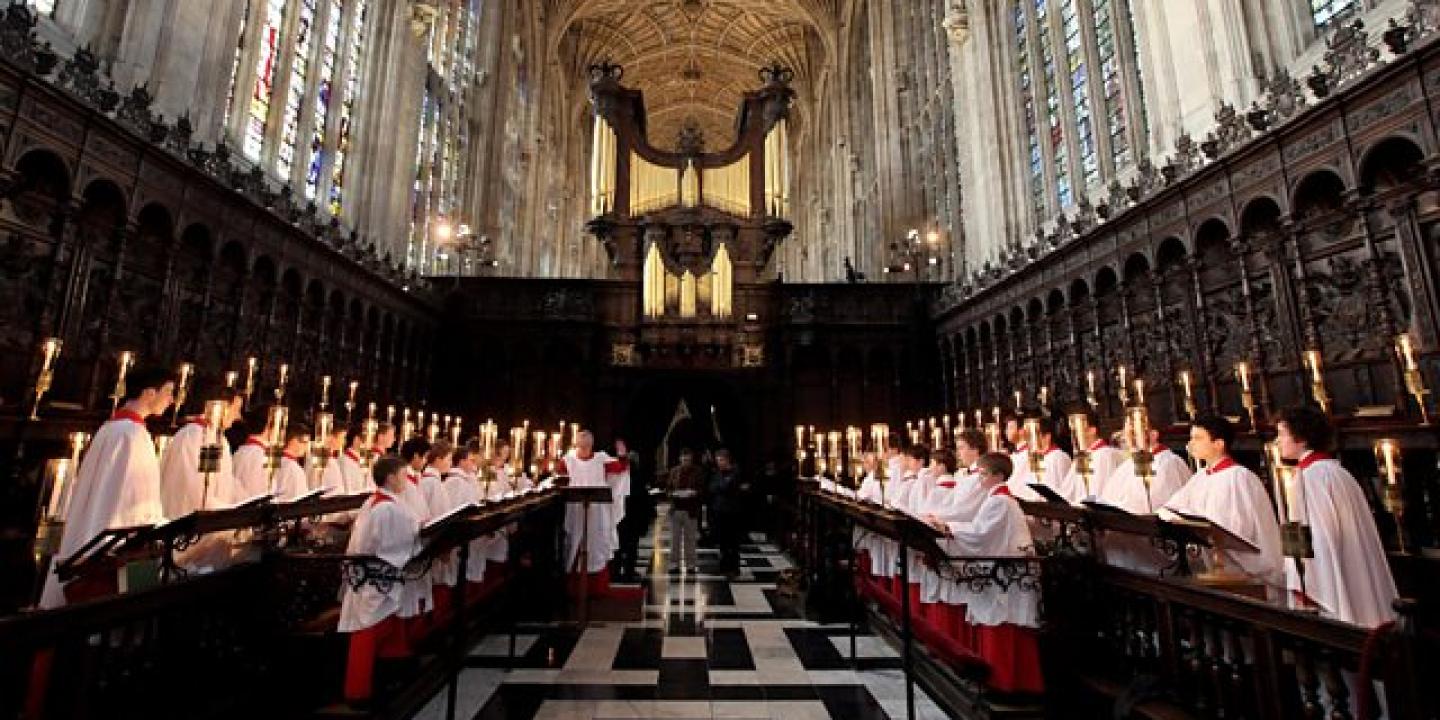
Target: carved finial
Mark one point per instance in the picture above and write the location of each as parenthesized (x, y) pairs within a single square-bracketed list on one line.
[(776, 74)]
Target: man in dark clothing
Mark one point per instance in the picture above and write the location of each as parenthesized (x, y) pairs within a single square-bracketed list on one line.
[(728, 492), (639, 515), (687, 486)]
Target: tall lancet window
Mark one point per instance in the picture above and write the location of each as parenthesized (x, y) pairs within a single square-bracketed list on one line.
[(303, 63), (44, 7), (1324, 12), (1078, 85), (442, 138)]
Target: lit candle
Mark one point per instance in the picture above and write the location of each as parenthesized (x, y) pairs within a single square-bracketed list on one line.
[(1313, 364), (370, 411), (49, 350), (324, 391), (407, 429), (1078, 423), (214, 420), (323, 424), (1387, 454), (1185, 383), (230, 378), (1044, 395), (995, 413), (59, 472), (284, 374), (184, 373), (278, 418), (1090, 383), (250, 364), (455, 435), (937, 437), (800, 440), (1032, 434), (127, 358), (1407, 351), (1138, 422), (1123, 373), (1140, 391), (1019, 401), (354, 386), (1242, 370), (992, 437), (433, 431), (390, 414)]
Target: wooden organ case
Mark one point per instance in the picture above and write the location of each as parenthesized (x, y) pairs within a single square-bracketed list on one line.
[(693, 230)]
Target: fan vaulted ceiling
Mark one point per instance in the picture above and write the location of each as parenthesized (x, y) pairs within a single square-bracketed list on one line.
[(695, 59)]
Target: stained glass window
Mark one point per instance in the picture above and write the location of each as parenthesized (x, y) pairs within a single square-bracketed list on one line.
[(1027, 100), (295, 98), (347, 105), (1080, 61), (235, 63), (44, 7), (1326, 11), (1059, 150), (258, 116), (323, 95), (1080, 92)]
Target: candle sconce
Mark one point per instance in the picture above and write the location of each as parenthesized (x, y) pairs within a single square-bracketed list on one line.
[(1414, 379), (1137, 422), (1187, 385), (1387, 458), (1296, 541), (127, 358), (1247, 393), (1314, 365), (1036, 455), (50, 351), (1078, 423)]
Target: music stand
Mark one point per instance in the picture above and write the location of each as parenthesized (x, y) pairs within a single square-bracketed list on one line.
[(585, 495)]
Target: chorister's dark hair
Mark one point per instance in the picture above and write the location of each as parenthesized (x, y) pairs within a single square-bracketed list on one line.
[(1046, 426), (385, 467), (296, 431), (897, 441), (1092, 418), (413, 448), (946, 459), (1218, 428), (440, 449), (996, 464), (918, 451), (1309, 426), (974, 438), (463, 452), (145, 377), (353, 433)]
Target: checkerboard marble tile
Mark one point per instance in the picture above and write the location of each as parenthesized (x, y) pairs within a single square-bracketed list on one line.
[(709, 647)]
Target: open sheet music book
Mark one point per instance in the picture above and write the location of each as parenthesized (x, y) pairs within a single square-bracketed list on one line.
[(308, 496), (1048, 493), (457, 512), (257, 500), (1217, 533)]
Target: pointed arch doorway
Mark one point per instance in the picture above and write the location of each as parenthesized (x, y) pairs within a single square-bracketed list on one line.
[(667, 412)]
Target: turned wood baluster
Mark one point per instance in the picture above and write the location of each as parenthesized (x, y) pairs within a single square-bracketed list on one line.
[(1337, 693), (1215, 667), (1308, 681)]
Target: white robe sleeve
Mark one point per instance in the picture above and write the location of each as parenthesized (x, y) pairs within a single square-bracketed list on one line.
[(1349, 577)]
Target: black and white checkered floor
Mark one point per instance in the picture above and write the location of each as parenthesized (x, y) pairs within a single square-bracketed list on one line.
[(710, 647)]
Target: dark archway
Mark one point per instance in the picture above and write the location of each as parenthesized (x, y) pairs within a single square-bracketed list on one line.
[(718, 416)]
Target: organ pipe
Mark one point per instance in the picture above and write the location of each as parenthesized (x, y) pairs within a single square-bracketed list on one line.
[(728, 188)]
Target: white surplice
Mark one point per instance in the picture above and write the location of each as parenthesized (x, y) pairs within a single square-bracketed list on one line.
[(1127, 491), (998, 530), (117, 485), (355, 477), (1231, 496), (600, 545), (462, 488), (387, 530), (419, 596), (1103, 461), (252, 477), (1055, 465), (290, 479), (182, 485), (1349, 577), (956, 499)]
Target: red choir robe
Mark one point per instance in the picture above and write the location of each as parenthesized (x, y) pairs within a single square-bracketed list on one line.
[(386, 529), (1349, 577), (1003, 622), (1231, 496), (117, 485)]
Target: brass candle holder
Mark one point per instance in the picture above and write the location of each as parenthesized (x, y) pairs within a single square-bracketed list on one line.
[(49, 352), (279, 418), (1296, 541), (1078, 423), (1414, 379), (1122, 389), (1387, 458), (1137, 422), (1037, 458), (251, 364), (210, 450)]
